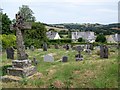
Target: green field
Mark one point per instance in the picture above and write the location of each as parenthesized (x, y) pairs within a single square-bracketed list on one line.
[(92, 72)]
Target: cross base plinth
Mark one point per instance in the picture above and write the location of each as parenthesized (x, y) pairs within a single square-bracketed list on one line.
[(21, 68)]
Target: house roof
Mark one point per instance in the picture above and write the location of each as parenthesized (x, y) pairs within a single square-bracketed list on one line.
[(51, 35)]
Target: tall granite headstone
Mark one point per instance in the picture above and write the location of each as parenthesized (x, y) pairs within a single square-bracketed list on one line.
[(103, 51)]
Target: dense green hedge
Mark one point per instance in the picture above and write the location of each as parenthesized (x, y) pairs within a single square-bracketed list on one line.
[(59, 41)]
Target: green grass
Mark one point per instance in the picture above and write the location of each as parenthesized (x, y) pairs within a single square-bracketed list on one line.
[(92, 72)]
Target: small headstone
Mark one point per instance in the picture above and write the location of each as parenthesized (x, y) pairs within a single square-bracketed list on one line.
[(67, 47), (10, 53), (32, 48), (56, 46), (45, 47), (79, 48), (48, 58), (64, 59)]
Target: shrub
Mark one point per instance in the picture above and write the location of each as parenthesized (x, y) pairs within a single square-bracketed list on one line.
[(8, 40)]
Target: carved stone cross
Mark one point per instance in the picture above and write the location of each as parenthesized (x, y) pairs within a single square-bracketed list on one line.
[(18, 26)]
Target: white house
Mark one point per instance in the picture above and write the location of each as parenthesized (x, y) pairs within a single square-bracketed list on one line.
[(113, 38), (87, 36), (52, 35)]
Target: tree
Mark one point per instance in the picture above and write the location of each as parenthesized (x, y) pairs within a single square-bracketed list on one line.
[(6, 24), (27, 13), (36, 36), (101, 38), (80, 40)]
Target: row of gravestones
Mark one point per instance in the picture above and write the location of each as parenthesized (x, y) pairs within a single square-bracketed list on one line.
[(103, 50)]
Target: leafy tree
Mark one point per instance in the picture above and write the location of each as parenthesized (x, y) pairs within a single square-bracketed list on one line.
[(80, 40), (101, 38), (6, 24), (27, 13), (36, 36)]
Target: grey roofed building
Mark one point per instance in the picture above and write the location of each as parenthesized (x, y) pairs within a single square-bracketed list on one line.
[(52, 35), (88, 36), (116, 37), (113, 38)]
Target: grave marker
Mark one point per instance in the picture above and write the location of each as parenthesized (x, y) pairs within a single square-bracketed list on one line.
[(22, 66), (48, 58), (64, 59)]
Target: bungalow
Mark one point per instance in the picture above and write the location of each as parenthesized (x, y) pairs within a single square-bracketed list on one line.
[(87, 36), (52, 35), (113, 38)]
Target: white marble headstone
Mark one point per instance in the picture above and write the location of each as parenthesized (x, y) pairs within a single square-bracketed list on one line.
[(48, 58)]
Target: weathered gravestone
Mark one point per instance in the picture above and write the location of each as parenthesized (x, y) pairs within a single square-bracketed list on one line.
[(44, 46), (32, 48), (103, 51), (48, 58), (21, 67), (88, 51), (79, 57), (67, 47), (10, 53), (56, 46), (64, 59), (27, 48)]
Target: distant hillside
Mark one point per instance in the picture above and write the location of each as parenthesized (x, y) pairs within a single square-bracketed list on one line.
[(97, 28)]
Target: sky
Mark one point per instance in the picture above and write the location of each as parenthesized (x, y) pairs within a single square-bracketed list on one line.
[(66, 11)]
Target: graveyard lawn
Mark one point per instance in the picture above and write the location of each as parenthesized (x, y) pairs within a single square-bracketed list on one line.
[(92, 72)]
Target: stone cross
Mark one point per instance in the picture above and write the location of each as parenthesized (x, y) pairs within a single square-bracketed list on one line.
[(18, 26)]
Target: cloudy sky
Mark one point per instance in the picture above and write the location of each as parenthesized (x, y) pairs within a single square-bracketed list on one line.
[(66, 11)]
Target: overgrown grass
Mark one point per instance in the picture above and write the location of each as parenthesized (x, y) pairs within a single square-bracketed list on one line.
[(92, 72)]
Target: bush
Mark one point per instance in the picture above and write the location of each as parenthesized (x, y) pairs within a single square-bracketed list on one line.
[(101, 38), (81, 40), (8, 40)]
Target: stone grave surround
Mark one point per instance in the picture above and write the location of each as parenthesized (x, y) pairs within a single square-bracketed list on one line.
[(21, 67)]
